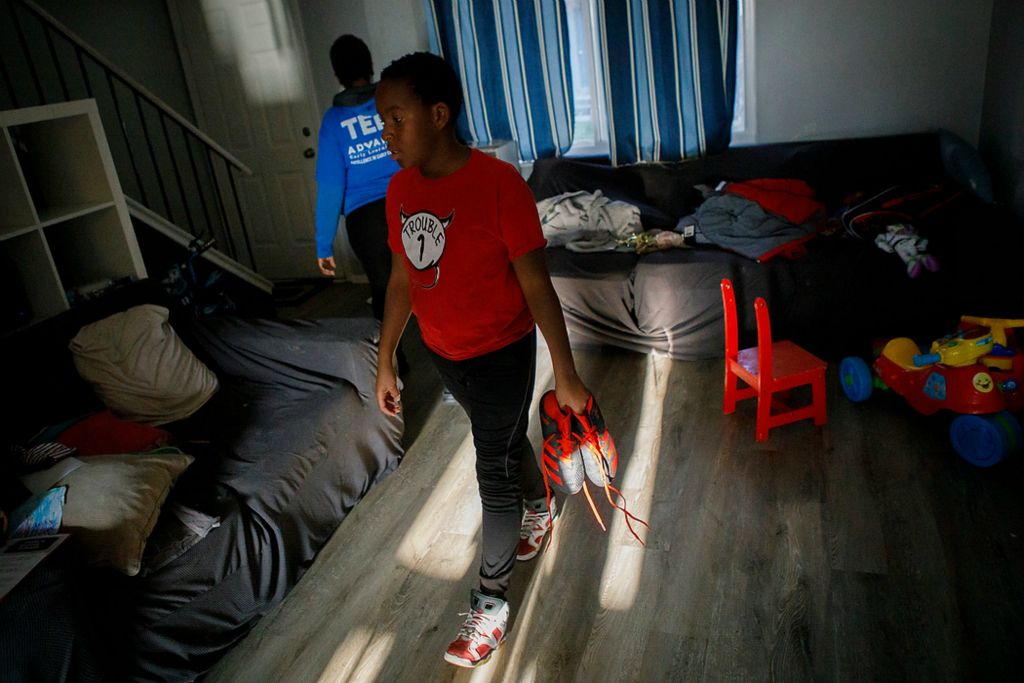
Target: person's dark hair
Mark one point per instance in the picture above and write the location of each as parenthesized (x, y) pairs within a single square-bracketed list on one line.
[(431, 78), (350, 59)]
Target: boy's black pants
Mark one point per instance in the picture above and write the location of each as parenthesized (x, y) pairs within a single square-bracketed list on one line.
[(367, 229), (495, 390)]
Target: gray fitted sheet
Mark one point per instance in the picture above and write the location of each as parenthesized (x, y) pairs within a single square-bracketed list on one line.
[(667, 302)]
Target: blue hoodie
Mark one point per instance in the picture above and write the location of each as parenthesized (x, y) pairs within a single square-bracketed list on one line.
[(353, 167)]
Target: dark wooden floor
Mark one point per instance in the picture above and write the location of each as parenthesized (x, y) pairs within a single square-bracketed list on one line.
[(862, 551)]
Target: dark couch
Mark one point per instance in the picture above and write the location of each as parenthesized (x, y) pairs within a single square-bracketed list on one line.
[(288, 445), (844, 293)]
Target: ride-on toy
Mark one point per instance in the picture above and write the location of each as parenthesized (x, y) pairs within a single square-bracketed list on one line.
[(977, 372)]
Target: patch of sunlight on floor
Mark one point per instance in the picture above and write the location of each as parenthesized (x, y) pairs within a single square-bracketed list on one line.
[(528, 672), (620, 579), (453, 506), (360, 657)]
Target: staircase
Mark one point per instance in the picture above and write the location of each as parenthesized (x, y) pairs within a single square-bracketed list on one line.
[(177, 180)]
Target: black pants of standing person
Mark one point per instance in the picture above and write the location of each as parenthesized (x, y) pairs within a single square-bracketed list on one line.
[(495, 390), (367, 229)]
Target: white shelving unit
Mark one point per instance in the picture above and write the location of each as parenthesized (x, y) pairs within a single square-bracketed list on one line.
[(64, 224)]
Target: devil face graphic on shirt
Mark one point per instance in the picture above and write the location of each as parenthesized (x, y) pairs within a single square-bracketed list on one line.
[(423, 238)]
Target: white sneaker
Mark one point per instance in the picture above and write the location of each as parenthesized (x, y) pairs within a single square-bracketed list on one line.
[(533, 530), (481, 633)]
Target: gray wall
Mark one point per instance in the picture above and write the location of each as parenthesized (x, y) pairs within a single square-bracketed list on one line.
[(1002, 119), (136, 36), (835, 68), (824, 68), (390, 28)]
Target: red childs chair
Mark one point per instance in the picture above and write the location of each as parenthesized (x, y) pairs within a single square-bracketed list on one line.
[(769, 368)]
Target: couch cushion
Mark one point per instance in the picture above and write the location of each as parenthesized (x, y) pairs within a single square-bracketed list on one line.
[(140, 368), (113, 502)]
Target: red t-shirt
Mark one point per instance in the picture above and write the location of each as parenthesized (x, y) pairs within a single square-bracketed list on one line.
[(458, 236)]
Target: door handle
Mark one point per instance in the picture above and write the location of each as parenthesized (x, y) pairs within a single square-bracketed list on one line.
[(309, 153)]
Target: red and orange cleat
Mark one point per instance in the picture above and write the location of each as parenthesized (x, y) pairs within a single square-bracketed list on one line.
[(578, 446)]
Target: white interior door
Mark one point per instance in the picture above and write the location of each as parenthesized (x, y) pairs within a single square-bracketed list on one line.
[(245, 62)]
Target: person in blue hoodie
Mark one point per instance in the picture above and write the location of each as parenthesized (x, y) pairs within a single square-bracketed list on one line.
[(353, 170)]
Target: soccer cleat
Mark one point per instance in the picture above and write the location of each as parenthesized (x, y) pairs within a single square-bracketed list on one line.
[(481, 633), (535, 528), (600, 458), (561, 460), (577, 447)]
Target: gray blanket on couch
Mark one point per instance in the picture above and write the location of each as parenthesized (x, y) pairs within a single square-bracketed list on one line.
[(295, 441)]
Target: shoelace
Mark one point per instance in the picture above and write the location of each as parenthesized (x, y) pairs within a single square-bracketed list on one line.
[(539, 521), (593, 443), (475, 625)]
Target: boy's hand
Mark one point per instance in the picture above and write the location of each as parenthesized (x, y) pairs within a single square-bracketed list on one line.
[(571, 393), (389, 399), (327, 266)]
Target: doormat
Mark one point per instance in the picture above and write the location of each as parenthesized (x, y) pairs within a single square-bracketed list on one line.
[(295, 292)]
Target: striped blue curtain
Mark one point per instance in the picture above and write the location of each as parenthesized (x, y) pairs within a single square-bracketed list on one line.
[(670, 77), (513, 59)]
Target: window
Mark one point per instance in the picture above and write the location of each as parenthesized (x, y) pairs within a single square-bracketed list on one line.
[(590, 130), (743, 129), (590, 133)]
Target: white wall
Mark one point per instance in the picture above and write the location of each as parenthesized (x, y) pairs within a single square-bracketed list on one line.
[(835, 68), (1002, 121), (390, 28)]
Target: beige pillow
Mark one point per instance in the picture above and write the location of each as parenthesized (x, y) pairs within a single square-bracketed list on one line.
[(113, 502), (140, 368)]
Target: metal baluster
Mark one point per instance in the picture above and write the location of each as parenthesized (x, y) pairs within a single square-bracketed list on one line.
[(220, 203), (195, 174), (8, 84), (152, 156), (127, 142), (28, 55), (56, 63), (177, 174), (241, 216), (85, 73)]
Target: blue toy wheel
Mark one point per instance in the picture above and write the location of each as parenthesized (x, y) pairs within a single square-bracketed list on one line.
[(856, 379), (984, 440)]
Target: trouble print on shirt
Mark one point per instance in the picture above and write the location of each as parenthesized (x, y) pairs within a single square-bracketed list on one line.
[(423, 237), (365, 144)]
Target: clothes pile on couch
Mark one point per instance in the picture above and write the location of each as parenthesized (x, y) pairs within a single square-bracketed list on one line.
[(771, 218)]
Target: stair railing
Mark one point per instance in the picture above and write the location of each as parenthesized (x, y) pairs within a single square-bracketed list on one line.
[(155, 140)]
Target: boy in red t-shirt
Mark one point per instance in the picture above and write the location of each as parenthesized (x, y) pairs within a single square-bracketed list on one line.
[(470, 264)]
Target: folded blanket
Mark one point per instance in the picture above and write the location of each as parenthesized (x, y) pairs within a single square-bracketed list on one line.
[(792, 199), (587, 221), (738, 224)]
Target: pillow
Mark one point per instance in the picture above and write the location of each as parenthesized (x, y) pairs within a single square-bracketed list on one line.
[(104, 432), (113, 502), (140, 368)]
